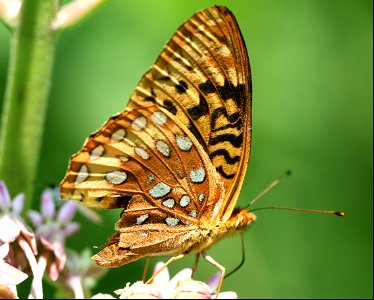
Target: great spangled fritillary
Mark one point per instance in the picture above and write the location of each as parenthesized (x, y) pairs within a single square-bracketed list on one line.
[(176, 158)]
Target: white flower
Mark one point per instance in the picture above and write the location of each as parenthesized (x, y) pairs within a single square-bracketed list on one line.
[(181, 286)]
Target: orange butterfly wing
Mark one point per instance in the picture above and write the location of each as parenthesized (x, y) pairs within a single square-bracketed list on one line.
[(202, 76), (176, 158)]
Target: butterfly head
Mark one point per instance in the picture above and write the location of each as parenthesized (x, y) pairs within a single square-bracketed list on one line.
[(240, 219)]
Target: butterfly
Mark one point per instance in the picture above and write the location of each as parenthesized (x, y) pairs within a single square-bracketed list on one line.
[(174, 161)]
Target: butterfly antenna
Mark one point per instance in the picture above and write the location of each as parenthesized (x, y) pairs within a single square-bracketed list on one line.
[(320, 211), (269, 187), (242, 261), (273, 184)]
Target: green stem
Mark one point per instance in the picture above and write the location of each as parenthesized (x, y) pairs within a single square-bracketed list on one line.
[(26, 96)]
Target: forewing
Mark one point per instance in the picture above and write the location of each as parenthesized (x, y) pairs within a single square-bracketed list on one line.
[(202, 77)]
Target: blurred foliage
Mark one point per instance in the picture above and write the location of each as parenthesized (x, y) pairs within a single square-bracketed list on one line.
[(312, 113)]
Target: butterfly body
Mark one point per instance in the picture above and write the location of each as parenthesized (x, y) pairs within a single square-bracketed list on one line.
[(174, 161)]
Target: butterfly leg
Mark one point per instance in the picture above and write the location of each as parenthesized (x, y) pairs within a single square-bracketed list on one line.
[(218, 266), (242, 261), (197, 257), (174, 258), (145, 269)]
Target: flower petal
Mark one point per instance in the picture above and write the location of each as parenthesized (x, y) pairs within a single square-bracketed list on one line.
[(71, 229), (60, 256), (35, 218), (12, 230), (10, 274), (48, 205), (18, 203), (53, 271), (162, 279), (28, 234), (75, 282), (67, 212), (4, 196), (139, 290), (180, 278), (4, 250), (213, 281), (46, 243), (193, 289)]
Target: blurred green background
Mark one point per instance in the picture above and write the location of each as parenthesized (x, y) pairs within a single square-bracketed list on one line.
[(312, 113)]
